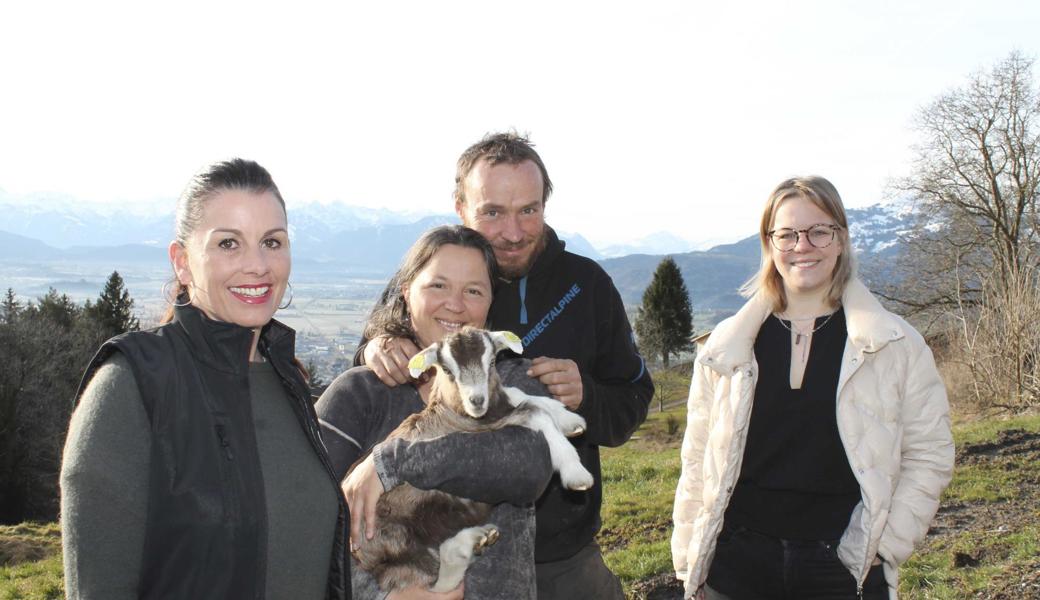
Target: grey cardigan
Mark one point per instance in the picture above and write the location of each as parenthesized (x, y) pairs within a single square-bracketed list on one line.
[(508, 468)]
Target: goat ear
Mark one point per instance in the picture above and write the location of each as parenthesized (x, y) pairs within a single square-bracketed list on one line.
[(506, 339), (423, 361)]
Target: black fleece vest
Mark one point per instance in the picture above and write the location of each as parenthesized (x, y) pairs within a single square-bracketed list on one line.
[(207, 518)]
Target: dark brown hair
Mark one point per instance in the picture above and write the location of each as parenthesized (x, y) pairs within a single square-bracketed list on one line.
[(233, 174), (508, 148), (390, 316)]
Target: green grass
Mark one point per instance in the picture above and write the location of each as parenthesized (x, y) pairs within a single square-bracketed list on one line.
[(980, 483), (639, 482), (975, 432), (639, 487), (31, 557), (931, 571)]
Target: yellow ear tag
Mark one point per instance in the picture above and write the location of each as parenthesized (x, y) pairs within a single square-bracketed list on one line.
[(417, 365), (511, 341)]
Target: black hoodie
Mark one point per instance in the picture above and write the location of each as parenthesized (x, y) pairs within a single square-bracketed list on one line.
[(567, 307)]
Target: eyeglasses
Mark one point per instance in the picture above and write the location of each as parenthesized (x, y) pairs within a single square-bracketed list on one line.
[(820, 235)]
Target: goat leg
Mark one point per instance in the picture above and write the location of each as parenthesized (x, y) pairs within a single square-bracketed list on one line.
[(456, 553)]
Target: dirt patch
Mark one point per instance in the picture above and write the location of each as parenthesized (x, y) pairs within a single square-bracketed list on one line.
[(1008, 451), (1010, 442), (28, 542), (17, 550), (610, 539), (659, 587), (1017, 584)]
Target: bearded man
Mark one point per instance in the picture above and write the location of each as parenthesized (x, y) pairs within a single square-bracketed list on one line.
[(573, 326)]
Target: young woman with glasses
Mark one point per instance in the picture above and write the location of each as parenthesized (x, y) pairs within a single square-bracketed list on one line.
[(818, 437)]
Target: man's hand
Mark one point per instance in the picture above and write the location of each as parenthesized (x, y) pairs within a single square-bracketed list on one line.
[(415, 592), (562, 377), (362, 489), (388, 358)]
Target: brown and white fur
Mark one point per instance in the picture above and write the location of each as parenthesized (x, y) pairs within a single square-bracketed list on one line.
[(428, 537)]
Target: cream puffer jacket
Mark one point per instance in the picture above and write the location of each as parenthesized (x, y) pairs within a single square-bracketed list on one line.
[(892, 416)]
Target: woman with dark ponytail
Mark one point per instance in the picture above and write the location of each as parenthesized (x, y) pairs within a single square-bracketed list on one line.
[(193, 466)]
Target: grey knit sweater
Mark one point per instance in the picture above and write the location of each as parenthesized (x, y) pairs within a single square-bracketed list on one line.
[(508, 468)]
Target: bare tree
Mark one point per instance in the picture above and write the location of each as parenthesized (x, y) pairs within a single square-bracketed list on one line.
[(1001, 341), (972, 254), (974, 185)]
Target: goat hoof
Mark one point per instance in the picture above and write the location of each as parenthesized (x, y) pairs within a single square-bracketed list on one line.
[(570, 424), (579, 481), (487, 540)]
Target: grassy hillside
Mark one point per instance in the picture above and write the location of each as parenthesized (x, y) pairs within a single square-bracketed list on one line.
[(984, 542)]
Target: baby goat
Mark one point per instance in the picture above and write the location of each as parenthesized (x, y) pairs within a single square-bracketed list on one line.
[(428, 537)]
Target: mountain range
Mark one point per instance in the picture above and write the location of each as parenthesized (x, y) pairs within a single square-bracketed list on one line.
[(713, 276), (370, 242), (323, 232)]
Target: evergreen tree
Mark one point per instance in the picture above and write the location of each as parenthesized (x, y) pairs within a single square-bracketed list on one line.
[(114, 310), (42, 355), (57, 309), (664, 323), (9, 307)]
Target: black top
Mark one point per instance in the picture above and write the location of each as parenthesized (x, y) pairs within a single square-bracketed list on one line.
[(567, 307), (795, 481), (207, 529)]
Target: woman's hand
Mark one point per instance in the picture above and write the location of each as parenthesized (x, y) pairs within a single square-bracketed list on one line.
[(362, 489), (415, 592), (388, 358)]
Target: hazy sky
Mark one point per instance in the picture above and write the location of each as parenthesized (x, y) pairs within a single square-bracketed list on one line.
[(674, 116)]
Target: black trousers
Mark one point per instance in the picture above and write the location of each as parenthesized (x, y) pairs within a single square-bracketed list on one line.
[(755, 566), (583, 576)]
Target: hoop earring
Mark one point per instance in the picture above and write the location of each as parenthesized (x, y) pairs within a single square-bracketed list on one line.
[(286, 305), (166, 295)]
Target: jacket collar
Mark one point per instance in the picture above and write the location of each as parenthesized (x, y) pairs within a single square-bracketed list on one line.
[(871, 327), (732, 343), (225, 346)]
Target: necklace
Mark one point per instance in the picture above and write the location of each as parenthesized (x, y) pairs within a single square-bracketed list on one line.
[(798, 335)]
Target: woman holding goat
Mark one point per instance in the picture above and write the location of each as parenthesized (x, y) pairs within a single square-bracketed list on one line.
[(444, 283)]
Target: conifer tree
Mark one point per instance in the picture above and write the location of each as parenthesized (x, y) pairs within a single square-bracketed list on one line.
[(57, 309), (9, 307), (114, 310), (664, 323)]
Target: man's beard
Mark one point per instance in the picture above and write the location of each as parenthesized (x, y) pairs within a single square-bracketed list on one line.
[(516, 271)]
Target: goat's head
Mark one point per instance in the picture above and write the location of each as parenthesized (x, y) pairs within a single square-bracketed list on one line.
[(467, 360)]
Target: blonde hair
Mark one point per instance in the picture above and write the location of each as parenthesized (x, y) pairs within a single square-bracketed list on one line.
[(824, 195)]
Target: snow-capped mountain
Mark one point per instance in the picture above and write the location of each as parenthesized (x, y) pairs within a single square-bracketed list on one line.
[(714, 276), (363, 241), (661, 242)]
